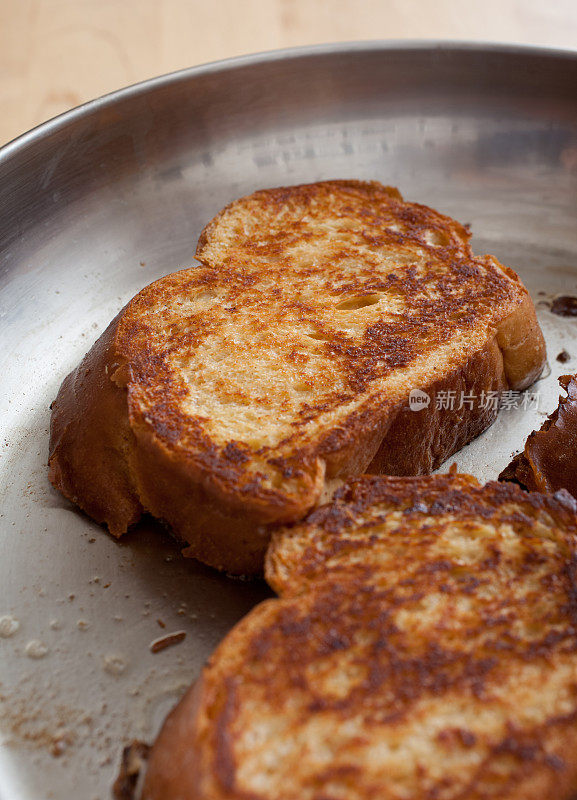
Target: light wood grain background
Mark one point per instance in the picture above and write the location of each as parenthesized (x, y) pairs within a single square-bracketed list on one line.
[(55, 54)]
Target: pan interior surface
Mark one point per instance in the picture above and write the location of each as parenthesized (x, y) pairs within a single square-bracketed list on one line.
[(100, 202)]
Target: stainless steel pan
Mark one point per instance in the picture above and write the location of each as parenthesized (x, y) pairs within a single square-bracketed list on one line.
[(100, 201)]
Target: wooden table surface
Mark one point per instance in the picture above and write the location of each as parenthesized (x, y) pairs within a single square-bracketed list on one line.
[(55, 54)]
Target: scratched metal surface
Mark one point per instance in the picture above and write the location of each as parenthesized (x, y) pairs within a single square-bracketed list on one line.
[(99, 202)]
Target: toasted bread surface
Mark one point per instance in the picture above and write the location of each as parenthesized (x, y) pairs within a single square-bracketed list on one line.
[(286, 359), (424, 646)]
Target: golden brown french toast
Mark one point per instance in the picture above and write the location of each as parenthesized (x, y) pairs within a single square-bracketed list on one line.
[(424, 647), (225, 398)]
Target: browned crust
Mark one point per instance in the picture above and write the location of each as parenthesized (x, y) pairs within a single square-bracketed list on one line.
[(121, 442), (548, 461), (417, 442), (134, 758), (91, 439), (490, 658), (521, 342), (173, 766)]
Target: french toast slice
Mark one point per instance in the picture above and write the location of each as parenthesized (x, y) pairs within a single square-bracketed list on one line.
[(424, 646), (225, 398)]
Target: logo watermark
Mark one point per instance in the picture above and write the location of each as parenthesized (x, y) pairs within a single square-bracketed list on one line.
[(418, 400), (451, 400)]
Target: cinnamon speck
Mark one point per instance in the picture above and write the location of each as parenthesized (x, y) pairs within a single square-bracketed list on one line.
[(564, 306), (167, 641), (60, 744)]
